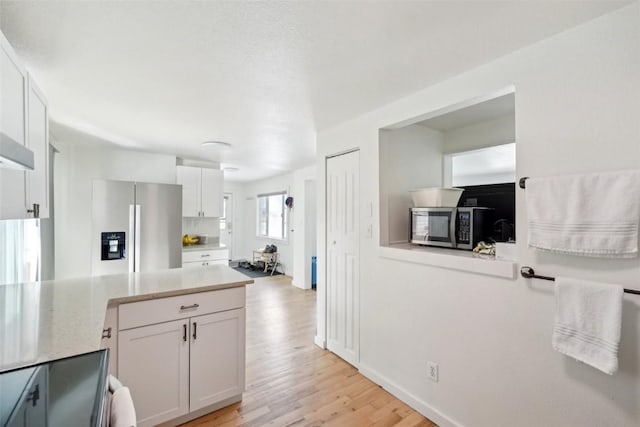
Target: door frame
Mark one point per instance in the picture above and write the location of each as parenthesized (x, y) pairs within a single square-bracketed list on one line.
[(233, 210), (322, 340)]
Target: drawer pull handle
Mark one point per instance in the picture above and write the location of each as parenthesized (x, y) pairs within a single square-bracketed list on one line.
[(195, 330), (184, 332), (205, 255), (188, 307), (106, 333)]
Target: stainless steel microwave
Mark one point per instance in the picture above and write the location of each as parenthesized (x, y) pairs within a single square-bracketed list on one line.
[(458, 228)]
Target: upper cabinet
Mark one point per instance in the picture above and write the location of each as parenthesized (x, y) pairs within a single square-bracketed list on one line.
[(201, 191), (38, 142), (24, 117), (13, 89)]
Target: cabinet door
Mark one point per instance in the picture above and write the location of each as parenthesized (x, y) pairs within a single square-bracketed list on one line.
[(13, 84), (189, 178), (153, 361), (38, 142), (212, 193), (217, 357)]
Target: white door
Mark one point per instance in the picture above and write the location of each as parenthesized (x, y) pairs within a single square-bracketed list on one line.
[(343, 256), (226, 223), (153, 361), (217, 357), (212, 193), (189, 178)]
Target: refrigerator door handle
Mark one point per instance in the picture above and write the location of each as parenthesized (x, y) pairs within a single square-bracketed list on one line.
[(136, 239), (132, 230)]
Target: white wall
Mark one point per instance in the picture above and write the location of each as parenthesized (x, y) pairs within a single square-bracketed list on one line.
[(480, 135), (577, 109), (76, 167), (410, 158)]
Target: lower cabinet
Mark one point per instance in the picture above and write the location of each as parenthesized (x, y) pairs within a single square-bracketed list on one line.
[(178, 367), (153, 361), (217, 358)]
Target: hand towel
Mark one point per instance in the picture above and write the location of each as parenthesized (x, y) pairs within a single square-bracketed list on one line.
[(123, 413), (587, 322), (593, 215)]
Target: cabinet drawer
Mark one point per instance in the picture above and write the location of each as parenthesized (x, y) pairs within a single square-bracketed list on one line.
[(192, 256), (160, 310), (204, 263)]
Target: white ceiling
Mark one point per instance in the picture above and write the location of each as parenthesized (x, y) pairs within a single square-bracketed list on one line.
[(264, 76)]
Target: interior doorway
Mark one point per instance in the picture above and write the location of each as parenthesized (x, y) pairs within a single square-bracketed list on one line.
[(226, 223), (310, 230)]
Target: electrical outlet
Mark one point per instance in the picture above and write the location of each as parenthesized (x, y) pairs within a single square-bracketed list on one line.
[(432, 371)]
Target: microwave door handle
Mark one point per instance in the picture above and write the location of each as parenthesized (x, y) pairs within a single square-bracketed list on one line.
[(452, 227)]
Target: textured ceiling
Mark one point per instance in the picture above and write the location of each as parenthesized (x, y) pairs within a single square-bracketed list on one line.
[(263, 76)]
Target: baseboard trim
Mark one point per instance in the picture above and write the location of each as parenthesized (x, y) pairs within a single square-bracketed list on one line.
[(419, 405), (319, 342)]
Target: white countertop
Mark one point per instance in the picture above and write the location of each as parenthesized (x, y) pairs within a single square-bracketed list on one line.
[(48, 320), (207, 247)]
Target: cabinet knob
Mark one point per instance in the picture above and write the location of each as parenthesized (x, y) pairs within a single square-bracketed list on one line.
[(106, 333), (35, 211)]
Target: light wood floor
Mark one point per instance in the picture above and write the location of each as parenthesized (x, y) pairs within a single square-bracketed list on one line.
[(291, 381)]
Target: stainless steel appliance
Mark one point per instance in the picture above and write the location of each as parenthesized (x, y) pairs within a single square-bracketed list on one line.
[(136, 227), (63, 392), (459, 228)]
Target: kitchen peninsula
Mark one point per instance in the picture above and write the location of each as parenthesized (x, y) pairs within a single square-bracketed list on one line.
[(176, 337)]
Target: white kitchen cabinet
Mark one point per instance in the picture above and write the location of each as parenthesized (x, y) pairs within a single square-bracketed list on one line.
[(153, 361), (38, 142), (205, 258), (212, 192), (217, 358), (13, 89), (24, 117), (190, 179), (183, 353), (201, 191)]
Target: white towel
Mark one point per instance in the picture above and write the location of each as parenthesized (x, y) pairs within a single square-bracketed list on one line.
[(123, 413), (587, 323), (593, 215)]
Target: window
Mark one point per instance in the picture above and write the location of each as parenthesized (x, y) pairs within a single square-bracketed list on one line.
[(272, 215)]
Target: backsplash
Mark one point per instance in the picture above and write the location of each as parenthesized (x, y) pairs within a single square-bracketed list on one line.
[(199, 226)]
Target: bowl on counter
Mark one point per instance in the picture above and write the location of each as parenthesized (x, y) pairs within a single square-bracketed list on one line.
[(436, 197)]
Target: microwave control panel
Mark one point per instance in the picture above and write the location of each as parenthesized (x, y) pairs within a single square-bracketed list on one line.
[(464, 227)]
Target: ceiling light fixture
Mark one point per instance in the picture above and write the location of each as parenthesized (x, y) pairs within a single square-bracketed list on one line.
[(216, 144)]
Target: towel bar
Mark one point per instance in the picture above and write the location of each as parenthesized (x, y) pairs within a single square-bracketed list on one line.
[(528, 273)]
